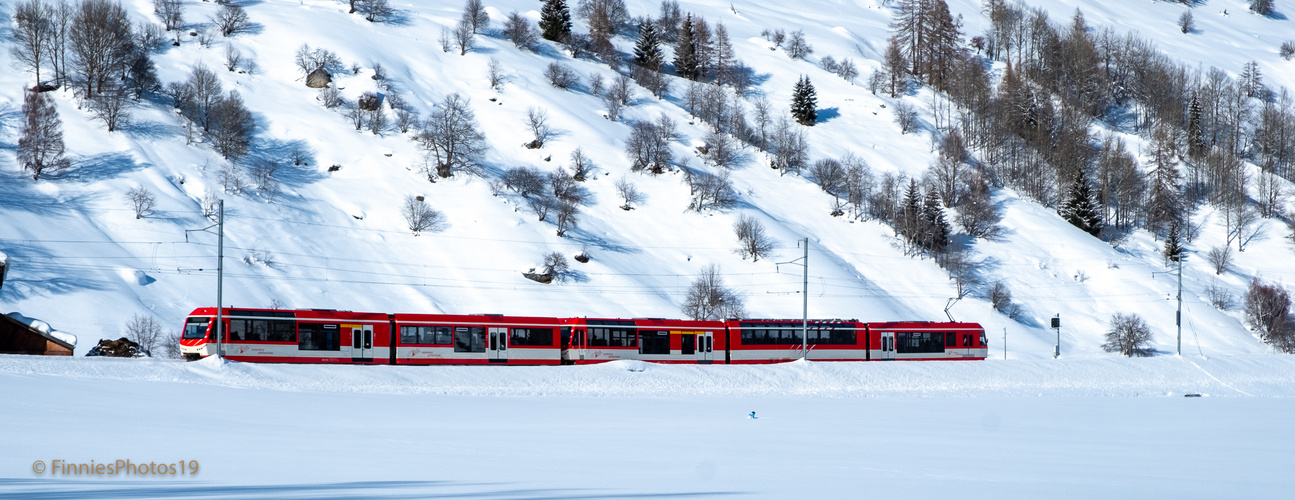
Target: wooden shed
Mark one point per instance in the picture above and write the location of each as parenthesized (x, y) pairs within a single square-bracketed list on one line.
[(18, 338)]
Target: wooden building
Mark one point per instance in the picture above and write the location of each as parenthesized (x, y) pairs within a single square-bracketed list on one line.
[(18, 338)]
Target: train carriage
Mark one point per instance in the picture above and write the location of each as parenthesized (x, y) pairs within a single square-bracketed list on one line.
[(477, 339), (775, 341), (921, 341), (655, 340), (302, 336)]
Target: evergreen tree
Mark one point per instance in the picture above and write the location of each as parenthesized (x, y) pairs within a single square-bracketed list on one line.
[(1165, 201), (935, 228), (1195, 136), (40, 142), (909, 225), (1079, 208), (1173, 247), (647, 51), (685, 51), (804, 102), (555, 20)]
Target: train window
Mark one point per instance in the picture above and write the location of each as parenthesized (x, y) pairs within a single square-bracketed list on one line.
[(531, 336), (656, 342), (624, 337), (599, 336), (319, 337), (919, 342), (966, 340), (408, 335), (196, 328), (688, 344), (983, 341), (469, 339), (951, 339)]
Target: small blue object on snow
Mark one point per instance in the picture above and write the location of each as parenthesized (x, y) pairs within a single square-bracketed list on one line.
[(752, 415)]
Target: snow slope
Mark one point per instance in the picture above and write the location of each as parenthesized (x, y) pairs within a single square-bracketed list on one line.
[(336, 240)]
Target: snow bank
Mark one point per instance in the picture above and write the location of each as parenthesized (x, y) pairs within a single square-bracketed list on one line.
[(1268, 376)]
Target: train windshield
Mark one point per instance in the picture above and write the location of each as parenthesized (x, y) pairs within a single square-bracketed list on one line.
[(196, 328)]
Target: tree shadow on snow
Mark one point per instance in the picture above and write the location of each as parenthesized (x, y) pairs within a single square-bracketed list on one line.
[(35, 273), (826, 114), (37, 489), (97, 168)]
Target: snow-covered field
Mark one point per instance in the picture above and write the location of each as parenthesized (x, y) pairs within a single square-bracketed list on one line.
[(1014, 429), (1089, 425)]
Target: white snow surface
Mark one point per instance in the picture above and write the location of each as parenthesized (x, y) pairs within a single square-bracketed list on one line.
[(1019, 428)]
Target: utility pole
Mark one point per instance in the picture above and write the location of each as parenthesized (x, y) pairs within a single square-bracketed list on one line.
[(220, 278), (1179, 318), (804, 294), (220, 272), (1004, 344)]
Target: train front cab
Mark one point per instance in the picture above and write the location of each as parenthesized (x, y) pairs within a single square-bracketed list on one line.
[(655, 340), (302, 336), (923, 341)]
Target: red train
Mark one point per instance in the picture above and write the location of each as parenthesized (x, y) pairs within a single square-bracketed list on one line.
[(327, 336)]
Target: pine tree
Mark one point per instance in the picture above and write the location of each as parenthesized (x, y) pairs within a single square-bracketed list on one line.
[(555, 20), (1195, 136), (647, 51), (685, 51), (910, 224), (804, 102), (40, 143), (935, 231), (1165, 201), (1079, 209), (1173, 247), (724, 54)]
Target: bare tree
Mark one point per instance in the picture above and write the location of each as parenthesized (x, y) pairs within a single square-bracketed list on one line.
[(519, 30), (231, 19), (142, 201), (709, 300), (464, 35), (1267, 309), (525, 181), (751, 237), (145, 331), (722, 150), (99, 36), (710, 191), (797, 47), (263, 176), (232, 57), (537, 119), (474, 12), (1000, 297), (446, 40), (963, 269), (377, 120), (1129, 336), (628, 192), (420, 216), (206, 92), (406, 119), (495, 72), (40, 142), (1220, 257), (112, 105), (33, 32), (648, 148), (171, 12), (1186, 23), (905, 117), (232, 126), (561, 75), (1220, 297), (450, 137), (556, 266), (376, 11), (580, 165), (210, 200)]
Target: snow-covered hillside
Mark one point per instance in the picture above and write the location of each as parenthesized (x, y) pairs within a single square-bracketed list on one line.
[(82, 262)]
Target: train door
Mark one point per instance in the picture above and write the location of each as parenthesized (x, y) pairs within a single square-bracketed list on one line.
[(579, 341), (362, 343), (887, 345), (498, 349), (705, 347)]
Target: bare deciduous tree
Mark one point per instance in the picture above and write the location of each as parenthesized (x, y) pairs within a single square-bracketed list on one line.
[(537, 119), (40, 142), (464, 34), (474, 12), (171, 12), (142, 201), (376, 11), (722, 150), (1220, 257), (561, 75), (905, 117), (628, 192), (797, 47), (264, 177), (519, 30), (1267, 309), (1000, 297), (420, 216), (450, 137), (112, 105), (232, 126), (99, 36), (33, 32), (495, 72), (556, 266), (145, 331), (580, 164), (232, 57), (231, 19), (751, 237), (1129, 336), (709, 300)]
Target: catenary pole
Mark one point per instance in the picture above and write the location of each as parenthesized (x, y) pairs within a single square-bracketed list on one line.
[(220, 278), (804, 311)]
